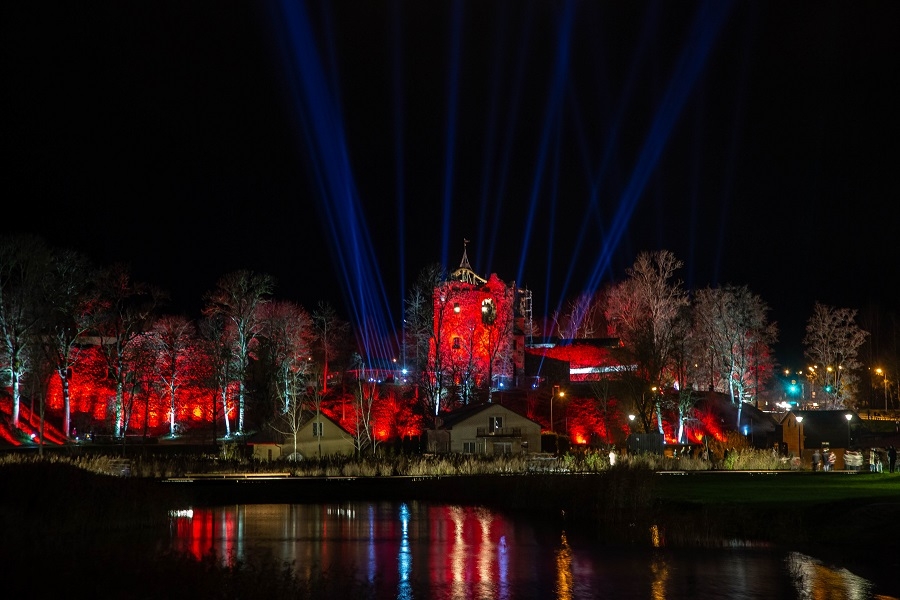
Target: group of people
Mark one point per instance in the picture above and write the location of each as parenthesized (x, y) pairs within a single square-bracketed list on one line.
[(876, 463), (824, 460)]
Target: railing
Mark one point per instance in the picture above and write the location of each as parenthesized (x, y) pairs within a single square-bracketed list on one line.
[(499, 432)]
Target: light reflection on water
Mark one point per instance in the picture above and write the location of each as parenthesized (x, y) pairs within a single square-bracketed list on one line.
[(443, 552)]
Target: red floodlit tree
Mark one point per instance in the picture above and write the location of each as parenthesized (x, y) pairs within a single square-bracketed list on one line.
[(24, 262), (172, 342), (238, 297), (69, 303), (832, 343), (497, 321), (643, 312), (144, 385), (733, 335), (126, 309)]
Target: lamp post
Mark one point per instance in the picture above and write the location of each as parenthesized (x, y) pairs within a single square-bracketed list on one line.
[(884, 377), (556, 392), (849, 417), (552, 395), (799, 439)]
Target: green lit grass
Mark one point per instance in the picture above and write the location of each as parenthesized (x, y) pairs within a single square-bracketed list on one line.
[(778, 489)]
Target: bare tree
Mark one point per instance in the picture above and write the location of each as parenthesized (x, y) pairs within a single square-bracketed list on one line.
[(238, 297), (732, 328), (314, 397), (426, 314), (70, 304), (643, 312), (216, 336), (287, 333), (331, 333), (172, 340), (365, 397), (24, 262), (290, 421), (832, 343), (126, 310), (583, 318)]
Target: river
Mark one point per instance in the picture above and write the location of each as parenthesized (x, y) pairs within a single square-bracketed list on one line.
[(434, 551)]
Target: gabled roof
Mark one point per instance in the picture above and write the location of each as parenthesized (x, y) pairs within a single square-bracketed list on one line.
[(323, 417), (463, 413)]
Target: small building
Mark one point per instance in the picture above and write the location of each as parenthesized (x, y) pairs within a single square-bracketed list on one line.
[(321, 436), (486, 428), (265, 447), (804, 431)]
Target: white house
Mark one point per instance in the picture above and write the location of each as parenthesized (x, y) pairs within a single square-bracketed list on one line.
[(485, 429), (320, 436)]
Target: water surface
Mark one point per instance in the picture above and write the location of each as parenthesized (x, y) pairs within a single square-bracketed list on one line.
[(443, 552)]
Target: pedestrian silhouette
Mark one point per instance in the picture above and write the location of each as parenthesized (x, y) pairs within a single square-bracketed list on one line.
[(892, 458)]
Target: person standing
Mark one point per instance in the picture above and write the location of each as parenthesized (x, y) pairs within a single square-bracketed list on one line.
[(817, 458), (892, 458)]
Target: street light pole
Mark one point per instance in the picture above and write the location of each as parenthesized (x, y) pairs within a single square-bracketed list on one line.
[(884, 377), (799, 439), (552, 394), (849, 417)]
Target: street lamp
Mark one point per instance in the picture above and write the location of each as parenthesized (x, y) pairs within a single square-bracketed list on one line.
[(799, 439), (883, 376), (556, 392), (849, 417)]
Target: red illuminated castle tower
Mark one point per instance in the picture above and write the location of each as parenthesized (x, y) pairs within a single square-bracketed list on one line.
[(479, 326)]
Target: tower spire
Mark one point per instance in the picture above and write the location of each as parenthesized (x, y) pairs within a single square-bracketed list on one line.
[(464, 263), (465, 272)]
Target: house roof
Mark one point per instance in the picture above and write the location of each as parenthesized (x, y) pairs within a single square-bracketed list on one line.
[(324, 416), (463, 413), (823, 418)]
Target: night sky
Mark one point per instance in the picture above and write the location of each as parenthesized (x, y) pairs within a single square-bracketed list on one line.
[(755, 140)]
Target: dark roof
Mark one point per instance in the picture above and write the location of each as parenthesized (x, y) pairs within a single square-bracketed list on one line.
[(823, 418)]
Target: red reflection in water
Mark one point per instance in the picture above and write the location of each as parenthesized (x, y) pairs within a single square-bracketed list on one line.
[(208, 531)]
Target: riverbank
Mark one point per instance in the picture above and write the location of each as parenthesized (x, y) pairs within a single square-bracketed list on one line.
[(849, 520)]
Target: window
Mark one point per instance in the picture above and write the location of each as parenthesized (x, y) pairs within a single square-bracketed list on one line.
[(488, 311), (468, 447), (456, 344), (495, 423), (502, 448), (317, 429)]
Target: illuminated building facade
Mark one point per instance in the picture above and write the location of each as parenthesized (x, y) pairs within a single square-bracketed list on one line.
[(479, 327)]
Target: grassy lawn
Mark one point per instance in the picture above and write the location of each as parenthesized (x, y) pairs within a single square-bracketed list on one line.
[(782, 489)]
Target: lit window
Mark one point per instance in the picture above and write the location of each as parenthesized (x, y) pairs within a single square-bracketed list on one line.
[(488, 311)]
